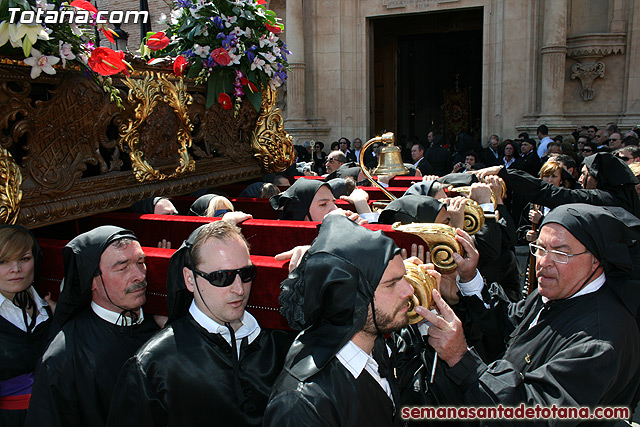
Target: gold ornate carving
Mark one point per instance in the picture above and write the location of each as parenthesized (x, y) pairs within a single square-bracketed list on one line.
[(154, 94), (10, 192), (271, 144), (423, 285), (441, 240)]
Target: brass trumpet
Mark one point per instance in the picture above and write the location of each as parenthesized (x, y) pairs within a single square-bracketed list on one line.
[(423, 284), (440, 239)]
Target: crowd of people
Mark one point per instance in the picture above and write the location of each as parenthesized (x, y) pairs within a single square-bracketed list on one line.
[(571, 340)]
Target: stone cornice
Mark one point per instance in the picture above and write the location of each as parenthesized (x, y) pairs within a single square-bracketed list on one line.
[(595, 45)]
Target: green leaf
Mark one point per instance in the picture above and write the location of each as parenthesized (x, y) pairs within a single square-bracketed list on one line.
[(212, 94), (195, 69), (254, 97), (26, 46)]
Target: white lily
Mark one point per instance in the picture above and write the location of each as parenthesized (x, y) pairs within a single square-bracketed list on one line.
[(29, 34), (275, 83), (40, 63), (257, 63)]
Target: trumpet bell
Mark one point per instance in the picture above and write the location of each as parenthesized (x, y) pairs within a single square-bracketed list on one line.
[(441, 241), (423, 285)]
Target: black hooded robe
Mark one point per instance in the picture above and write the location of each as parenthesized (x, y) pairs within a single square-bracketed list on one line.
[(76, 376), (328, 295), (616, 186), (184, 375), (583, 351)]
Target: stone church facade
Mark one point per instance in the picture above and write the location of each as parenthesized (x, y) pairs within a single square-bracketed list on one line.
[(361, 67)]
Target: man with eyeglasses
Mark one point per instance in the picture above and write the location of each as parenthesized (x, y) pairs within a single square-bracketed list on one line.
[(574, 342), (335, 159), (629, 154), (213, 364)]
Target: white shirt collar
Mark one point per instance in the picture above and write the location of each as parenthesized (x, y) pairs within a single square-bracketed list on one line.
[(13, 314), (115, 318), (355, 360), (249, 327), (592, 286)]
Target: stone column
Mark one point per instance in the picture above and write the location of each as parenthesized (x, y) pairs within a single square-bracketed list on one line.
[(554, 54), (296, 100)]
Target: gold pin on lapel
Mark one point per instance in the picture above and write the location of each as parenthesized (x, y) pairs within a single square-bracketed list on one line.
[(527, 358)]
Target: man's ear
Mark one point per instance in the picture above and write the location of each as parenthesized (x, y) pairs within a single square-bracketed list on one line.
[(95, 283), (187, 274)]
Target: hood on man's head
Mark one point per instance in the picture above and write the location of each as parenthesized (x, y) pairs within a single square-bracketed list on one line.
[(329, 293), (421, 188), (609, 170), (178, 296), (296, 200), (81, 257), (411, 208), (611, 234)]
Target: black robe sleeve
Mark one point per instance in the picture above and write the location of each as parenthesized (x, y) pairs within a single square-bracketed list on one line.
[(537, 191), (54, 393)]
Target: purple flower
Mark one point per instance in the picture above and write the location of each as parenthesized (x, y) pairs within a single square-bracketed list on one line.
[(250, 54), (209, 62), (184, 3), (218, 22), (188, 53), (282, 75)]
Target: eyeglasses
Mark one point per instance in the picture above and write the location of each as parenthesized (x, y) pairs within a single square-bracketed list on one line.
[(224, 278), (624, 158), (330, 160), (556, 256)]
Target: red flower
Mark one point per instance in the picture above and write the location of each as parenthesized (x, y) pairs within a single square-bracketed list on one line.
[(275, 29), (158, 41), (246, 82), (107, 62), (225, 101), (179, 64), (110, 34), (81, 4), (262, 1), (221, 56)]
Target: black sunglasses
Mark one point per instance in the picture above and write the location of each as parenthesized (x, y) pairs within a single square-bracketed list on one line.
[(224, 278), (587, 150), (624, 158)]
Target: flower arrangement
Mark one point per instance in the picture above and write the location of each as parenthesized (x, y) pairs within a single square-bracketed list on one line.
[(231, 45), (57, 41)]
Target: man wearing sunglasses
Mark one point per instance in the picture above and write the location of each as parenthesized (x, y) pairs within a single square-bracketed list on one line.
[(213, 364), (574, 342)]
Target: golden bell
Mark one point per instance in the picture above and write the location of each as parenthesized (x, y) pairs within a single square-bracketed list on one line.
[(423, 285), (390, 161)]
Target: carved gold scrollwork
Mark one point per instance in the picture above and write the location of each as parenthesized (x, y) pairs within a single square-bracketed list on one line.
[(270, 143), (147, 93), (10, 190)]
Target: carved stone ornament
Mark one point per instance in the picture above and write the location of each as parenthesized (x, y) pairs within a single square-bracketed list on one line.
[(10, 188), (270, 143), (587, 73), (155, 97)]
